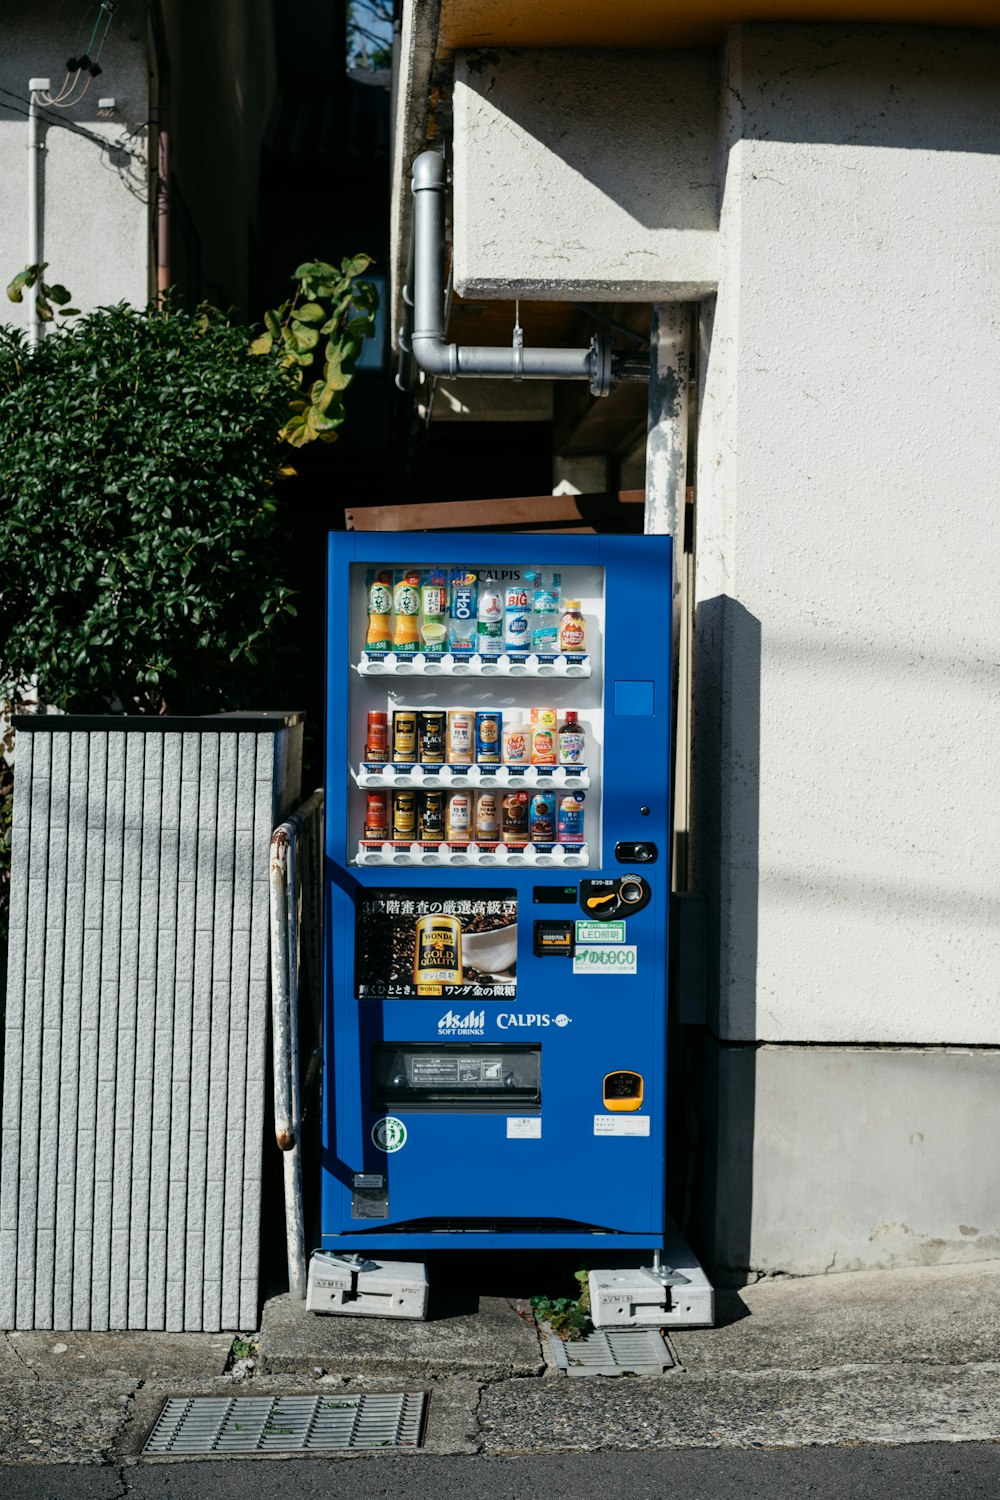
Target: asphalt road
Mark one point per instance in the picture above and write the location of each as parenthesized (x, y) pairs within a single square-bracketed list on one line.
[(919, 1471)]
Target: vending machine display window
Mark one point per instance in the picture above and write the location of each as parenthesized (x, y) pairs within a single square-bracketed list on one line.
[(475, 713)]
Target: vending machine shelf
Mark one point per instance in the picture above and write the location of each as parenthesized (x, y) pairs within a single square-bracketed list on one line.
[(521, 778), (382, 664), (373, 853)]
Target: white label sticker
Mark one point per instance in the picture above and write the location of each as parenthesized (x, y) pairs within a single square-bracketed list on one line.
[(600, 932), (618, 958), (524, 1128), (621, 1124)]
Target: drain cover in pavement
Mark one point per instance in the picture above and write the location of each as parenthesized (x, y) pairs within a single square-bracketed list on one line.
[(287, 1424), (615, 1351)]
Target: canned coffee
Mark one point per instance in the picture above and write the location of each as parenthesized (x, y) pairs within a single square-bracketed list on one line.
[(437, 955), (487, 818), (404, 815), (431, 824), (377, 742), (542, 818), (461, 729), (514, 818), (430, 746), (489, 726), (404, 736), (377, 816), (456, 818)]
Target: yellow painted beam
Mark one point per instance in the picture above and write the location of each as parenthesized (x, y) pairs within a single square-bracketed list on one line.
[(676, 23)]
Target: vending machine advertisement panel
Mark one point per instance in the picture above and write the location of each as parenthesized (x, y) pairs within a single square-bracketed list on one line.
[(497, 886)]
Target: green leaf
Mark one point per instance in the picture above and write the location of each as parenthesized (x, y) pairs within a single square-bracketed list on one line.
[(57, 294), (310, 312)]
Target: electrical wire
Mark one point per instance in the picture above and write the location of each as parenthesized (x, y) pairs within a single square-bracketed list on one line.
[(70, 125), (88, 64)]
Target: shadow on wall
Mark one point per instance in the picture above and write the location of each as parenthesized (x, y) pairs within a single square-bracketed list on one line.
[(606, 115), (910, 88), (726, 776)]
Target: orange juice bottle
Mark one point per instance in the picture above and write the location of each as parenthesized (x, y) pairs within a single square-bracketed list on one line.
[(406, 602)]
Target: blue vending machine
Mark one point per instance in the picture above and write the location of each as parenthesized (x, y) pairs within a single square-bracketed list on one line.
[(497, 866)]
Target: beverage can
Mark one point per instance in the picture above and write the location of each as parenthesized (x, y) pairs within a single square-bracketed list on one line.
[(404, 736), (487, 818), (542, 818), (377, 815), (431, 817), (516, 745), (569, 822), (377, 741), (489, 724), (404, 815), (456, 818), (437, 954), (461, 737), (514, 818), (430, 744)]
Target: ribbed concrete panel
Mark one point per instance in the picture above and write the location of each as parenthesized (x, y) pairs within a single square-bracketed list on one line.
[(136, 1029)]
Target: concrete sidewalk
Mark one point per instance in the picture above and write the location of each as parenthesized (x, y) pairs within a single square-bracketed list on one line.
[(871, 1357)]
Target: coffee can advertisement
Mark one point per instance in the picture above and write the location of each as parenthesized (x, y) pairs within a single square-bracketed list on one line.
[(411, 946)]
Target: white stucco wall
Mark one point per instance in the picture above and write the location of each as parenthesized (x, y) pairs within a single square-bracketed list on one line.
[(592, 174), (849, 543), (95, 199)]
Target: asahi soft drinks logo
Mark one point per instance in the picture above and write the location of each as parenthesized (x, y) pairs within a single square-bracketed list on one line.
[(472, 1024)]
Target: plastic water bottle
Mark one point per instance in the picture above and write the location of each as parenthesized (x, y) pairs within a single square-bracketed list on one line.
[(489, 627), (545, 616)]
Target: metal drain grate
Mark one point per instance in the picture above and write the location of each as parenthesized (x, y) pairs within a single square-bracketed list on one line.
[(287, 1424), (617, 1351)]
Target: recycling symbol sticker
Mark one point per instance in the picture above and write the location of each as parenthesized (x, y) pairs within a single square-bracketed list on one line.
[(389, 1134)]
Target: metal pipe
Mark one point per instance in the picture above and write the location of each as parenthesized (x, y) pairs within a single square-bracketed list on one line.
[(36, 86), (432, 353), (286, 905)]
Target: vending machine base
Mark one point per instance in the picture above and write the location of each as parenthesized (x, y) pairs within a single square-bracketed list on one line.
[(361, 1287), (676, 1293)]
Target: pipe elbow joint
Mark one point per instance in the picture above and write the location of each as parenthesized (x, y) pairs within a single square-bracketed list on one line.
[(429, 172), (433, 355)]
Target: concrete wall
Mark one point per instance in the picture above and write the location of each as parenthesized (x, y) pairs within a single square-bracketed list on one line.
[(592, 174), (849, 544), (850, 1158), (94, 185), (847, 727)]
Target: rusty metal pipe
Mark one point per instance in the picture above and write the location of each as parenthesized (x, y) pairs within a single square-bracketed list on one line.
[(288, 874)]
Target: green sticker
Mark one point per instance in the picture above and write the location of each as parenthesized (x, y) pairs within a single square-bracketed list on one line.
[(600, 932)]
